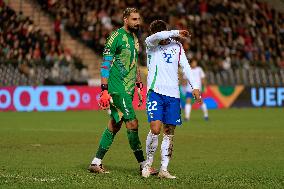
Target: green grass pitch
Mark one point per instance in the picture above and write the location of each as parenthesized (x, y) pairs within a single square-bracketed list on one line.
[(237, 148)]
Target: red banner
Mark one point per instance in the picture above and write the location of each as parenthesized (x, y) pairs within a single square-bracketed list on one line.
[(48, 98), (53, 98)]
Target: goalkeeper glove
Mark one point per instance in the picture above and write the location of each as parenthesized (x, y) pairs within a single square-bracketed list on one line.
[(105, 98)]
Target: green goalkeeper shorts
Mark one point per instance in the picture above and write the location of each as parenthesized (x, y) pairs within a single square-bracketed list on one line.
[(122, 108)]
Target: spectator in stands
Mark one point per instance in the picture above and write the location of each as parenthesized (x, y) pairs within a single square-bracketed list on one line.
[(57, 28), (37, 52)]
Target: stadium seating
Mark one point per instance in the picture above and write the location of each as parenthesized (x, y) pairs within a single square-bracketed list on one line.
[(30, 57), (236, 42), (228, 37)]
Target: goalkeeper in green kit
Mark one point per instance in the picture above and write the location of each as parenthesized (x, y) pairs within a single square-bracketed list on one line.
[(119, 76)]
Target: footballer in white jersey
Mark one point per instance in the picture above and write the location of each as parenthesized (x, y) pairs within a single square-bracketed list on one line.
[(199, 75), (164, 56)]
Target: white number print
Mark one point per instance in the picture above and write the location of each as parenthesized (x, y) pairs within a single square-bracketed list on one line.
[(152, 106)]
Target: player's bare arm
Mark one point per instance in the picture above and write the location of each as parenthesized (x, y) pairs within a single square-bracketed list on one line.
[(157, 36)]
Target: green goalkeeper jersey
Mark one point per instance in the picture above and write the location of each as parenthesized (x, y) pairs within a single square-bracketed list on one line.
[(122, 47)]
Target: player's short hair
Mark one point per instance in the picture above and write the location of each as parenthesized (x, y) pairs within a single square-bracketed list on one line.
[(157, 26), (128, 11)]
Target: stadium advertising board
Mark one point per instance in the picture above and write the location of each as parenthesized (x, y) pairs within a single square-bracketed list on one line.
[(261, 97), (63, 98), (51, 98), (48, 98), (240, 96)]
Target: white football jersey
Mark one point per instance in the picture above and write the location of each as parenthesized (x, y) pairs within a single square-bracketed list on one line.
[(163, 62), (198, 74)]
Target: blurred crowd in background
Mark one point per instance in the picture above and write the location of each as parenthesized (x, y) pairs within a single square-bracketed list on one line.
[(225, 34), (26, 47)]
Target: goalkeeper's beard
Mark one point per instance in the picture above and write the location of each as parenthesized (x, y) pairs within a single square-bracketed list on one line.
[(133, 29)]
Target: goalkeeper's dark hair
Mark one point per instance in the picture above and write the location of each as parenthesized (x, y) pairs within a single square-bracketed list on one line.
[(128, 11), (157, 26)]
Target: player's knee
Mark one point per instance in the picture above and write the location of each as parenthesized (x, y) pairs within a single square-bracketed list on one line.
[(114, 127), (132, 124), (155, 130), (156, 127), (169, 129)]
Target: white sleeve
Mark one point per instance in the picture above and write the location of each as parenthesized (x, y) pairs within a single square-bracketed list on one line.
[(186, 69), (153, 40), (202, 74)]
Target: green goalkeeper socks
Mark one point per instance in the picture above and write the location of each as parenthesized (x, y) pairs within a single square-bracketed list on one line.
[(105, 143), (135, 144), (133, 138)]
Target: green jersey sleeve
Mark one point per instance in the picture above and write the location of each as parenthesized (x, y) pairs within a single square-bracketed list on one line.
[(111, 44), (108, 54)]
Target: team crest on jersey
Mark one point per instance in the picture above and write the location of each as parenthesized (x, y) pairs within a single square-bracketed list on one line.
[(174, 51)]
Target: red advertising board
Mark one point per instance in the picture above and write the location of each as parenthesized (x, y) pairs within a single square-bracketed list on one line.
[(48, 98), (52, 98)]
